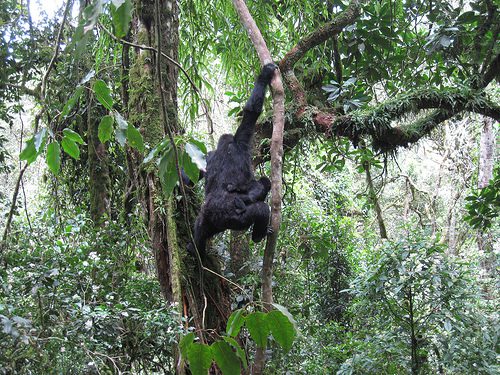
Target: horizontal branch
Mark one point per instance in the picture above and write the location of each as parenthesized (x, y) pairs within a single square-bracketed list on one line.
[(376, 123)]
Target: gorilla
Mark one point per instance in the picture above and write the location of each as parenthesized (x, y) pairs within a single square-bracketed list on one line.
[(234, 199)]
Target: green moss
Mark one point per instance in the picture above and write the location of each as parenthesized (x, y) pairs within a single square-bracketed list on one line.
[(144, 104)]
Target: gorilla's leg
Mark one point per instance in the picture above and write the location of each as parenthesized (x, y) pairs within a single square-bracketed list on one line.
[(260, 213), (203, 230)]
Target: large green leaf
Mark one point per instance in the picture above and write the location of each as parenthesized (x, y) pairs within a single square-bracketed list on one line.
[(163, 145), (239, 351), (134, 138), (168, 172), (185, 342), (54, 157), (234, 323), (200, 358), (281, 328), (71, 148), (105, 129), (74, 136), (256, 324), (103, 94), (121, 130), (121, 12), (29, 152), (225, 358), (197, 156), (189, 167), (40, 138)]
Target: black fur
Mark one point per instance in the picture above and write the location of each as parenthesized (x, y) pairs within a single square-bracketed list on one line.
[(234, 199)]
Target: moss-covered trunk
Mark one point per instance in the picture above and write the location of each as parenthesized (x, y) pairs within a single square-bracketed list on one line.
[(200, 295)]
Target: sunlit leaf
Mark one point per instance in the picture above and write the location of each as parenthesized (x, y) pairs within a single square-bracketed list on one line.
[(185, 342), (168, 172), (40, 138), (29, 152), (189, 167)]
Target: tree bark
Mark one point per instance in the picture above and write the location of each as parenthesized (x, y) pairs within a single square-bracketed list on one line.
[(276, 166), (99, 180), (486, 153), (374, 200), (486, 162)]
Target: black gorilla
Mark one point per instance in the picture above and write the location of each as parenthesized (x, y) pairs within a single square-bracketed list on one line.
[(234, 199)]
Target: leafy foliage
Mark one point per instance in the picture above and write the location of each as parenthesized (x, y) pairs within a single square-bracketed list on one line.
[(483, 206), (227, 353), (76, 298)]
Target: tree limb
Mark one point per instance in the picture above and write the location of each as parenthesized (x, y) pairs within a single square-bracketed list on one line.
[(276, 164)]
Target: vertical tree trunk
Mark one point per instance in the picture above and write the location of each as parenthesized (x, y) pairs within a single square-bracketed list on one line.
[(200, 295), (99, 180), (486, 153), (486, 162), (373, 198)]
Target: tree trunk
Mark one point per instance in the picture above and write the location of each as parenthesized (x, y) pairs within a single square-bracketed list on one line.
[(374, 200), (486, 154), (485, 241), (99, 180), (200, 295)]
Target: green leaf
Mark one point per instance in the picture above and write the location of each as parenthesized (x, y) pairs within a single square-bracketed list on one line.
[(256, 324), (281, 328), (196, 155), (198, 144), (189, 167), (225, 358), (160, 147), (40, 138), (72, 101), (74, 136), (121, 130), (134, 138), (168, 172), (71, 148), (235, 322), (29, 152), (200, 358), (103, 94), (54, 157), (105, 129), (121, 12), (239, 351), (185, 342), (285, 312)]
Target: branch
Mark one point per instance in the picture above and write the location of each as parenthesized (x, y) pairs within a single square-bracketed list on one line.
[(276, 164), (329, 30), (377, 122), (56, 51)]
